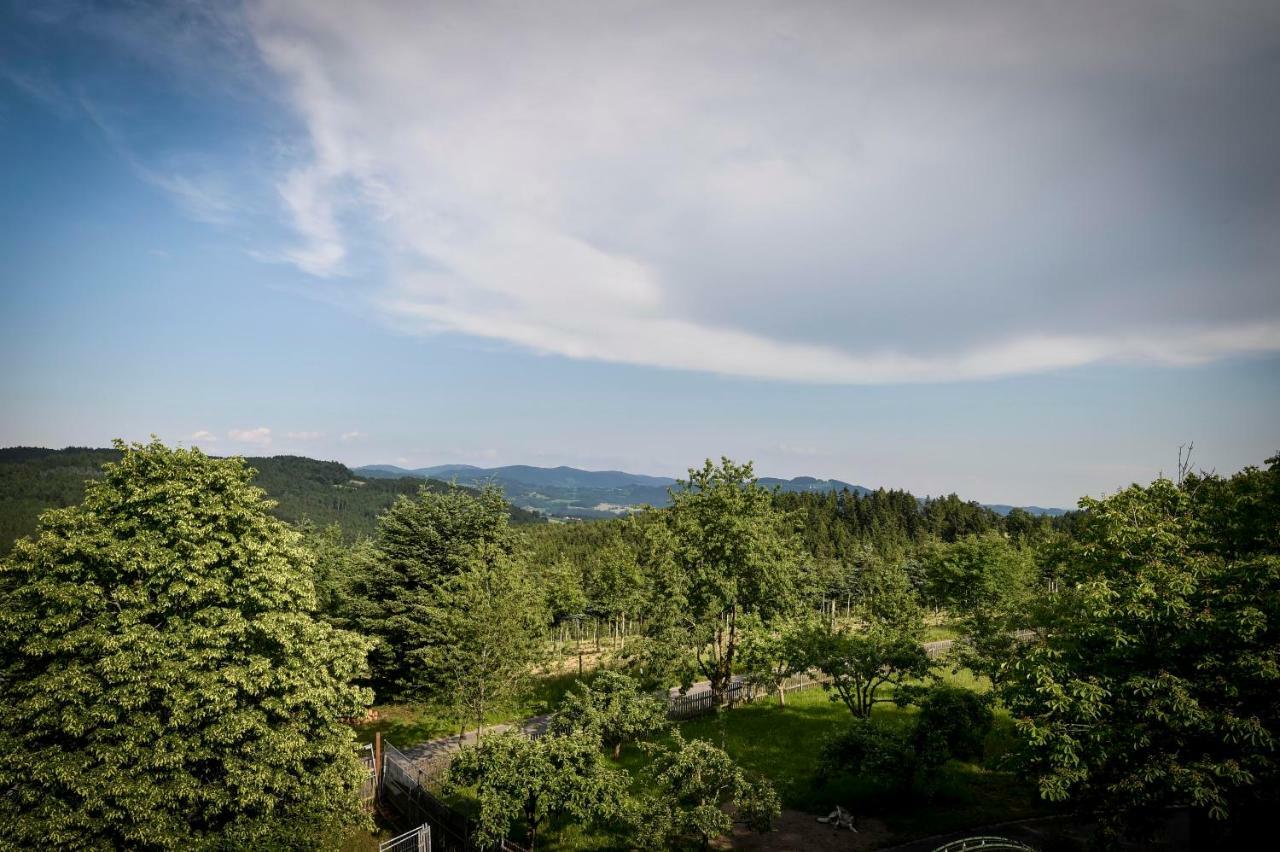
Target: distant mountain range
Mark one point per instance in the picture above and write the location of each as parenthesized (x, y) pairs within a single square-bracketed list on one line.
[(568, 492), (33, 479)]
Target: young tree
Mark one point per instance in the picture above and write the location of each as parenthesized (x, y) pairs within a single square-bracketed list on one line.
[(771, 654), (166, 682), (1157, 680), (861, 663), (691, 783), (612, 707), (488, 626), (533, 782), (735, 553), (423, 544)]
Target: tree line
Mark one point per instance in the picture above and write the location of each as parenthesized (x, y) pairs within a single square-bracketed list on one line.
[(177, 662)]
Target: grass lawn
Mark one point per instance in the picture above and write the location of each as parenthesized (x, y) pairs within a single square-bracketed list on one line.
[(783, 744), (408, 724)]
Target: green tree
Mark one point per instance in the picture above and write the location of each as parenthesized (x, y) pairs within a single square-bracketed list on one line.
[(952, 723), (862, 663), (488, 626), (690, 784), (612, 707), (166, 682), (423, 543), (886, 596), (772, 653), (533, 782), (1157, 680), (734, 553)]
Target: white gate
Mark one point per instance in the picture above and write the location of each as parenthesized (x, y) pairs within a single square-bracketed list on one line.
[(417, 840)]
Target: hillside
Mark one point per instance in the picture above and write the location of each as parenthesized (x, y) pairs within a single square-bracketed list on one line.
[(33, 479), (567, 492)]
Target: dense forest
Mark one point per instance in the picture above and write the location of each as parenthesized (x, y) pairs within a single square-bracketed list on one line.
[(33, 479)]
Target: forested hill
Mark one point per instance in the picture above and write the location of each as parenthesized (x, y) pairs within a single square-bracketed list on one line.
[(568, 492), (33, 479)]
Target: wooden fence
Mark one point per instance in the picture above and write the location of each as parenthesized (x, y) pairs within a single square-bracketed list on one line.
[(739, 692)]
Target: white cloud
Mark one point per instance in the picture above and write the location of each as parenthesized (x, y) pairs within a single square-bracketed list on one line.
[(260, 436), (353, 435), (846, 194), (304, 436), (205, 436)]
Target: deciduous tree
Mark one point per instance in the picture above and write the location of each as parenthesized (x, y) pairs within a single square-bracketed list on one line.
[(166, 683), (613, 707), (1157, 680), (532, 782), (691, 783)]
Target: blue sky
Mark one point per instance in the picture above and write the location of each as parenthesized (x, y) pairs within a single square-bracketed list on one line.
[(1017, 258)]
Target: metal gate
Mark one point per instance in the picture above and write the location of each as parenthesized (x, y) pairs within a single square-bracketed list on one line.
[(414, 840)]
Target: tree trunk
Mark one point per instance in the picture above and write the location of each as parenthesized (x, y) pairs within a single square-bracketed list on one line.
[(617, 750), (782, 696)]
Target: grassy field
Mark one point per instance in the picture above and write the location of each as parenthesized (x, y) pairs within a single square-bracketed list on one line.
[(408, 724)]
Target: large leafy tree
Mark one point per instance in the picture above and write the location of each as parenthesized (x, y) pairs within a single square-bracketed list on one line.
[(1157, 680), (519, 781), (166, 683), (734, 552)]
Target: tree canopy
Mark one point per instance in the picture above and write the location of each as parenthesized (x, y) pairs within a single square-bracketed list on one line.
[(166, 683), (1157, 680)]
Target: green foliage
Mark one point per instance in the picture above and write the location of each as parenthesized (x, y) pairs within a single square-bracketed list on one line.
[(612, 707), (958, 719), (486, 633), (405, 595), (990, 584), (531, 782), (977, 572), (1157, 680), (862, 663), (690, 783), (166, 683), (952, 723), (772, 653), (728, 551)]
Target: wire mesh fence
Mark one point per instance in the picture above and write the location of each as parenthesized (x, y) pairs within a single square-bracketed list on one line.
[(409, 792)]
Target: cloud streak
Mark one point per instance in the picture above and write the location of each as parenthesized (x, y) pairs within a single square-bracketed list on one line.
[(835, 193)]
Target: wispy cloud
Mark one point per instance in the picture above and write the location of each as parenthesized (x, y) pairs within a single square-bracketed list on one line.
[(859, 193), (353, 436), (204, 436), (260, 436), (304, 436), (201, 195)]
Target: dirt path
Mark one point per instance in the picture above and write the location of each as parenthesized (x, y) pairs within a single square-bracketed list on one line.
[(434, 752)]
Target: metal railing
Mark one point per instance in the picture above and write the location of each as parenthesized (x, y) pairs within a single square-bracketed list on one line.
[(990, 843), (415, 840)]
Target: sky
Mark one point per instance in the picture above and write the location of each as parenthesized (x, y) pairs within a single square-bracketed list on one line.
[(1019, 251)]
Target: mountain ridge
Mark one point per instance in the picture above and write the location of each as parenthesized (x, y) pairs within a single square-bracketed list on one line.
[(571, 492)]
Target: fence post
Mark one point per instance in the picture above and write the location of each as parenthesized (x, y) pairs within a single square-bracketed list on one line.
[(377, 765)]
